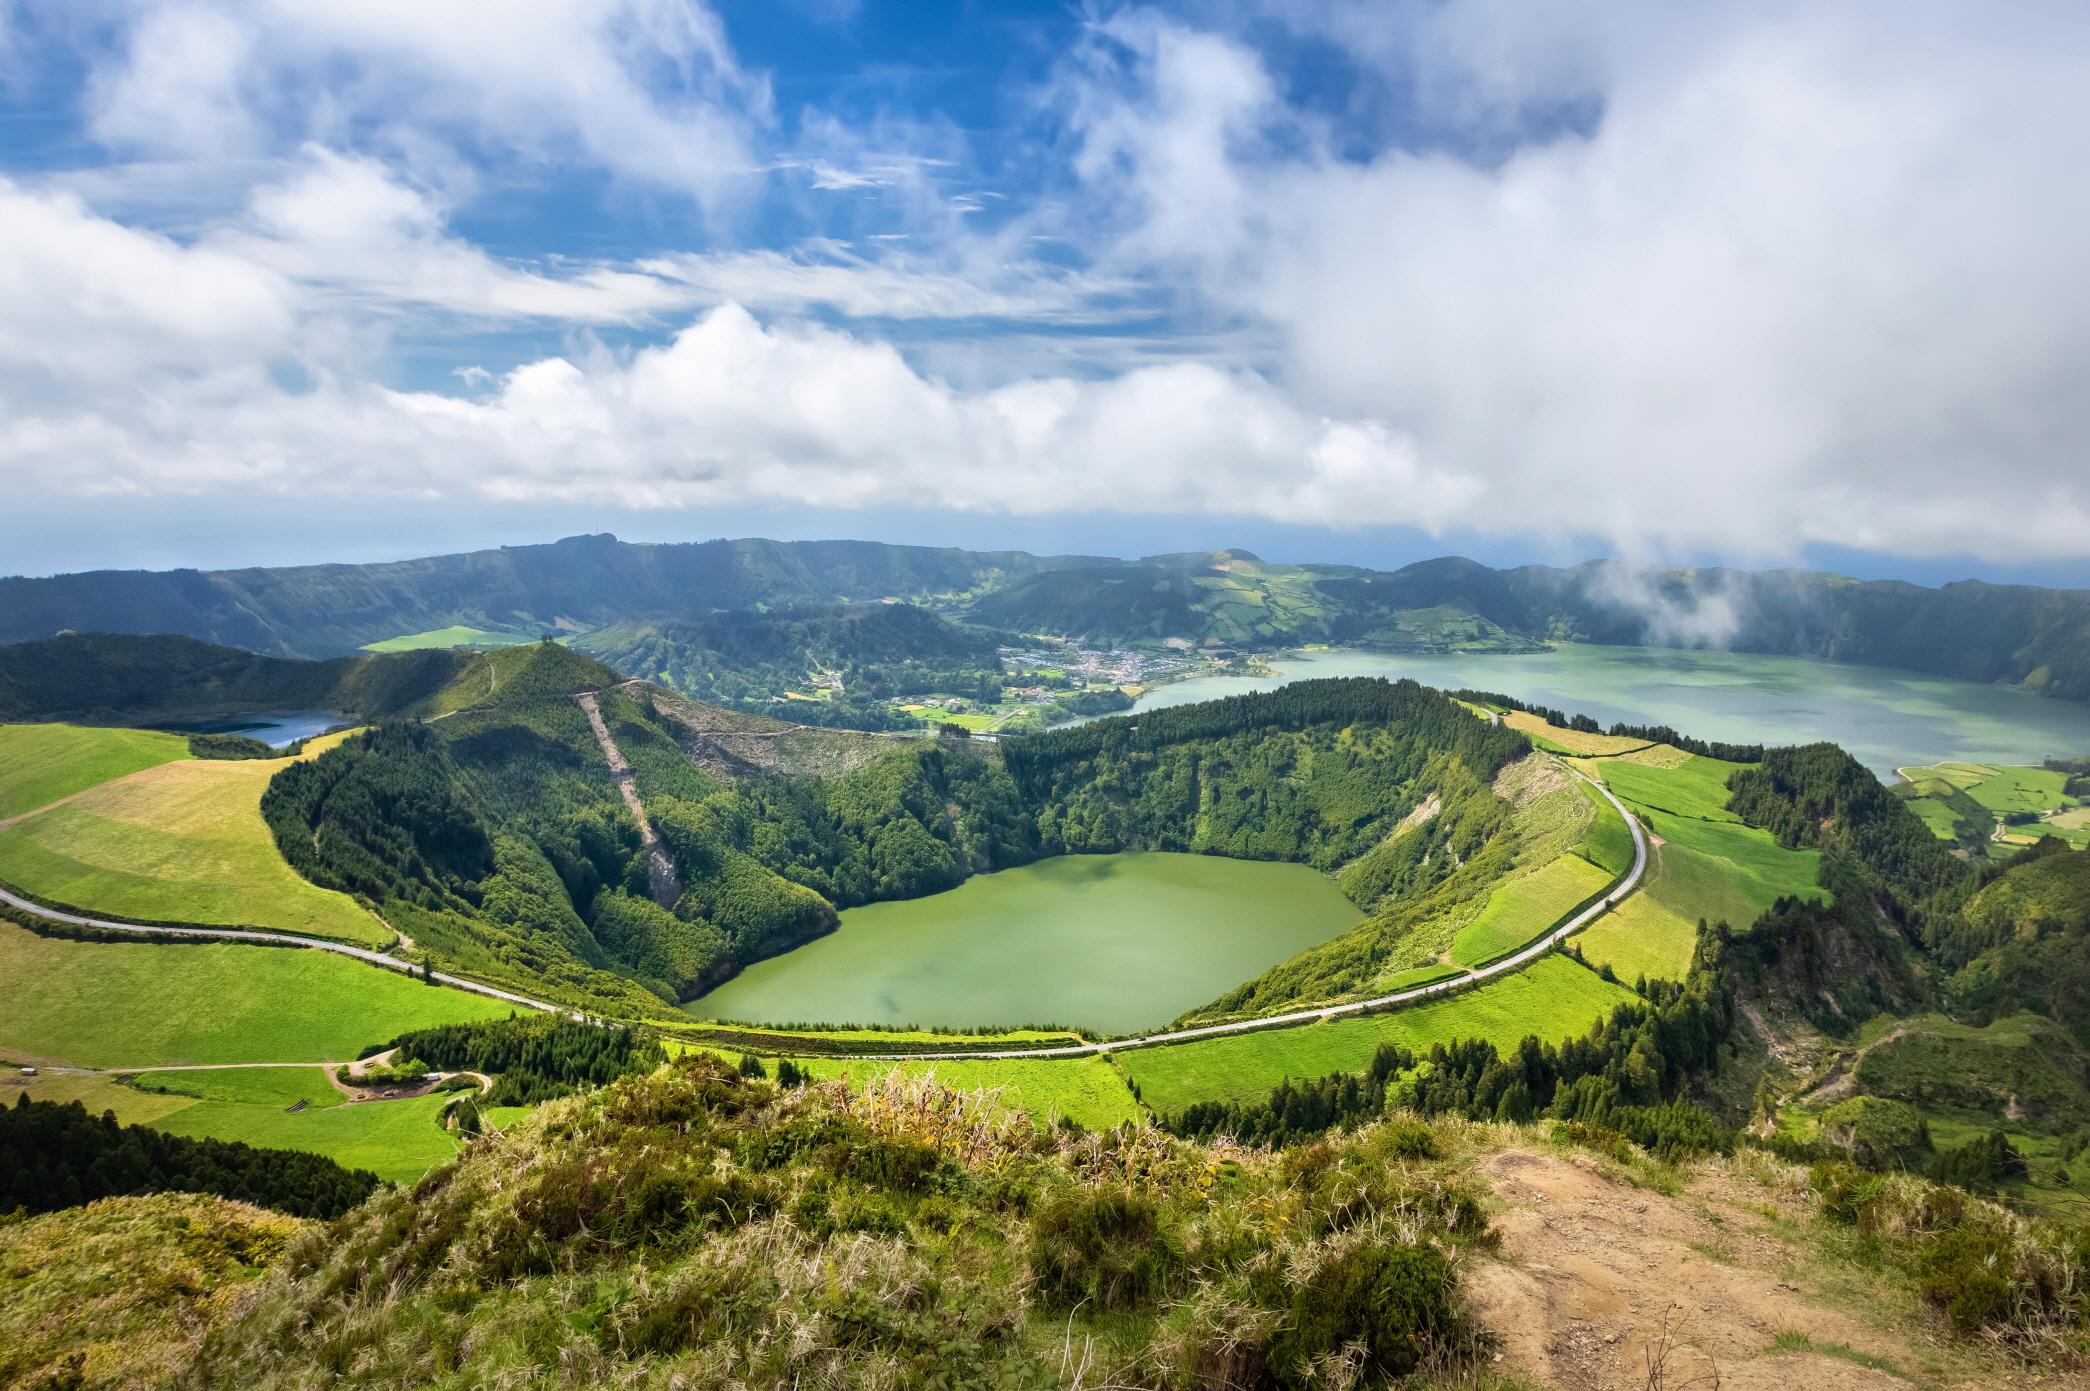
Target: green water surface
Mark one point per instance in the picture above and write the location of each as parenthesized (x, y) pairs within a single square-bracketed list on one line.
[(1118, 943), (1887, 719)]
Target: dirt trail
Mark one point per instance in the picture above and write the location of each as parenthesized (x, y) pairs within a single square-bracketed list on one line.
[(661, 880), (1590, 1268)]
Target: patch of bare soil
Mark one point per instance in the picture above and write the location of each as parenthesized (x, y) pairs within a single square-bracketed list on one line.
[(1598, 1280)]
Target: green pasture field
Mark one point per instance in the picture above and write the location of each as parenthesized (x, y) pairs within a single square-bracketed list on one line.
[(1088, 1091), (180, 842), (2021, 789), (2000, 787), (98, 1092), (456, 635), (146, 1004), (2060, 828), (1960, 775), (396, 1140), (1526, 907), (1651, 932), (274, 1088), (40, 763), (1936, 815), (1554, 998), (1421, 975), (974, 720), (1696, 788), (1608, 844), (1712, 865)]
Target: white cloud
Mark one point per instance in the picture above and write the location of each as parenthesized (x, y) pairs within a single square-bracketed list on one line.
[(349, 226), (732, 411), (177, 87), (88, 306), (647, 89), (1815, 274), (1780, 274)]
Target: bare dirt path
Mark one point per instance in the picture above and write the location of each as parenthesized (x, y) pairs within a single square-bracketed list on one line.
[(662, 883), (1592, 1270)]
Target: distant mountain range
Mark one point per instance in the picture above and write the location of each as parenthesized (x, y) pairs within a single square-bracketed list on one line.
[(2018, 634)]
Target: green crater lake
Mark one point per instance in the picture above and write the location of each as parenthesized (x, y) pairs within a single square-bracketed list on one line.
[(1118, 943), (1887, 719)]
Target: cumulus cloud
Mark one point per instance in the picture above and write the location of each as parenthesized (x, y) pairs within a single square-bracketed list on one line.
[(731, 410), (1691, 278), (546, 79), (90, 306), (1805, 273)]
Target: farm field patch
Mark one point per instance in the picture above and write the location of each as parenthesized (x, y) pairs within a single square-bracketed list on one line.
[(397, 1140), (1696, 787), (1652, 932), (275, 1107), (1554, 998), (1711, 864), (1524, 908), (145, 1004), (2021, 789), (1573, 741), (456, 635), (179, 842), (1088, 1091), (41, 763)]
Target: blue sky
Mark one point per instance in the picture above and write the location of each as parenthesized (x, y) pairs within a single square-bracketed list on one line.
[(1763, 284)]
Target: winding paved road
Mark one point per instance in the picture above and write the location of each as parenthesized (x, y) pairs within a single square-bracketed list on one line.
[(1515, 961), (280, 939), (1627, 882)]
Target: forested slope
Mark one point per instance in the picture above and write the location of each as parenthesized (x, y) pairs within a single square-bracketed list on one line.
[(2039, 638), (495, 837), (587, 581), (110, 678)]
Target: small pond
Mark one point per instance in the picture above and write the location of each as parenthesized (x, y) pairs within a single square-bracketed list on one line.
[(276, 728)]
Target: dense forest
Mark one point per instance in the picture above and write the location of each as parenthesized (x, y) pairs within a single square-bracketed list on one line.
[(54, 1156), (99, 677), (534, 1059)]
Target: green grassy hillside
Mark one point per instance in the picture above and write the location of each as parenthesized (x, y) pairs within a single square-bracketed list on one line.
[(42, 763), (1553, 999), (456, 635), (181, 842), (126, 1286), (141, 1004)]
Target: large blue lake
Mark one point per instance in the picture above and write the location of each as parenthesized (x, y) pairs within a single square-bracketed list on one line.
[(1886, 718)]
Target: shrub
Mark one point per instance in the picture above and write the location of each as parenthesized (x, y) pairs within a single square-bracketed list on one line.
[(1876, 1132), (1967, 1274), (1846, 1192), (1107, 1247), (1391, 1300)]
